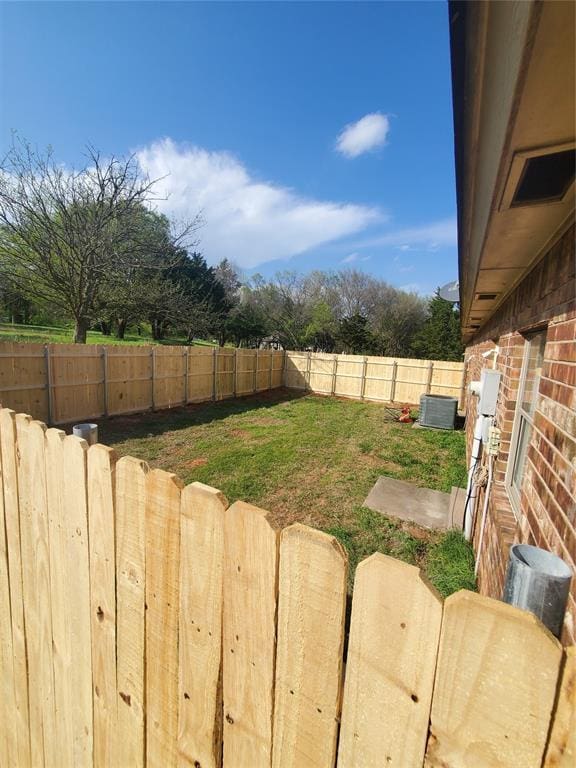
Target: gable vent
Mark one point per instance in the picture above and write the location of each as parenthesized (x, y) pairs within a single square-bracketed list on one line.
[(545, 178)]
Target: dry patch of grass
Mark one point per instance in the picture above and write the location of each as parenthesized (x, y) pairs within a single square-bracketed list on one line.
[(305, 459)]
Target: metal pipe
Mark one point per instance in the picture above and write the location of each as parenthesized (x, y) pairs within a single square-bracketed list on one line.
[(88, 432), (538, 581)]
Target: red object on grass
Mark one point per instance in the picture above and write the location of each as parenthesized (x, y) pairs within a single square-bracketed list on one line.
[(405, 417)]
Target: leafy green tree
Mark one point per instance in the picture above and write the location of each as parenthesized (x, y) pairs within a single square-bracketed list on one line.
[(439, 338), (320, 333), (132, 284), (205, 303), (247, 325), (396, 322), (354, 335), (63, 232), (14, 304)]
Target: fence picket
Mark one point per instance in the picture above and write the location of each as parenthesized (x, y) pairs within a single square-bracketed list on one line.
[(144, 624), (12, 527), (130, 598), (201, 577), (36, 586), (561, 752), (8, 745), (162, 599), (62, 621), (390, 666), (249, 633), (495, 686), (101, 461), (311, 612), (75, 564)]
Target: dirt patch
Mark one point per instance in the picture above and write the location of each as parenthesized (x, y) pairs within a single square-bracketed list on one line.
[(422, 534), (390, 466), (200, 462), (240, 433), (372, 461), (265, 421)]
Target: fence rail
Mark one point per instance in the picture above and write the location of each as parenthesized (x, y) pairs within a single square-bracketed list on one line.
[(144, 623), (61, 383), (384, 379)]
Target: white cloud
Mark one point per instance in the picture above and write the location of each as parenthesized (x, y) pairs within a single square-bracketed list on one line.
[(429, 236), (351, 258), (413, 288), (246, 220), (368, 133)]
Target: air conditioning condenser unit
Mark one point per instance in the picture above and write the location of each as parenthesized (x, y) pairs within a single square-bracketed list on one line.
[(438, 411)]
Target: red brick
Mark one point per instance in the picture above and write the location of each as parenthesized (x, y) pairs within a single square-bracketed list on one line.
[(560, 372), (557, 392), (547, 512), (562, 331), (562, 350)]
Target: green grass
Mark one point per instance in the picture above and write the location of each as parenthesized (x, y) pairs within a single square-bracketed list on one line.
[(40, 334), (312, 460), (450, 564)]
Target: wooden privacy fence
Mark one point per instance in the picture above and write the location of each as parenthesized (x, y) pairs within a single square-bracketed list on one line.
[(143, 623), (386, 379), (61, 383)]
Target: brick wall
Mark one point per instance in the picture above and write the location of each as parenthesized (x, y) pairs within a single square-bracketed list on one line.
[(547, 513)]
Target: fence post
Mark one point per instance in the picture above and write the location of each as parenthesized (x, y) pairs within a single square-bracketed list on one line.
[(334, 372), (153, 365), (270, 371), (214, 372), (393, 382), (186, 356), (429, 382), (363, 380), (283, 367), (235, 371), (105, 377), (463, 386), (49, 382), (307, 374), (255, 378)]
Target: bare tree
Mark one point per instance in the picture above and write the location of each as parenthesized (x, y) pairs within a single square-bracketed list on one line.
[(63, 232)]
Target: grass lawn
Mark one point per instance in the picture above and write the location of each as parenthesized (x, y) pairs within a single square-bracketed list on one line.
[(40, 334), (313, 460)]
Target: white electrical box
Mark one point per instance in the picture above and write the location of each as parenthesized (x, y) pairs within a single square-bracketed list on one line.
[(489, 387)]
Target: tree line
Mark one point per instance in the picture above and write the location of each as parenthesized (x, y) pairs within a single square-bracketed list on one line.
[(87, 246)]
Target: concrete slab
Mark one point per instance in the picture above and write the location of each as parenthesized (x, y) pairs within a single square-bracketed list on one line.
[(423, 506)]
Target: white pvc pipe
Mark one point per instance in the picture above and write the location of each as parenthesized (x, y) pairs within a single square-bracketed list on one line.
[(471, 489), (484, 514)]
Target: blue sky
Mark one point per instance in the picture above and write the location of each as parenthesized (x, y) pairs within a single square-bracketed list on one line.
[(310, 135)]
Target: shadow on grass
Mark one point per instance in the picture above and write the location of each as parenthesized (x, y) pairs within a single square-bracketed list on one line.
[(150, 423)]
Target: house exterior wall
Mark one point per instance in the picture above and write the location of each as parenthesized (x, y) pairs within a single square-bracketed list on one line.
[(546, 517)]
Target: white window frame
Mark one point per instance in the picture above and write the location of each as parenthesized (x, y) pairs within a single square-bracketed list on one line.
[(521, 417)]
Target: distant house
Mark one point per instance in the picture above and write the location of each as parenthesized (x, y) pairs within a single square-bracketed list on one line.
[(513, 90)]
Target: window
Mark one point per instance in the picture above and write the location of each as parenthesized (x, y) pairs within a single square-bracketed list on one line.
[(525, 408)]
